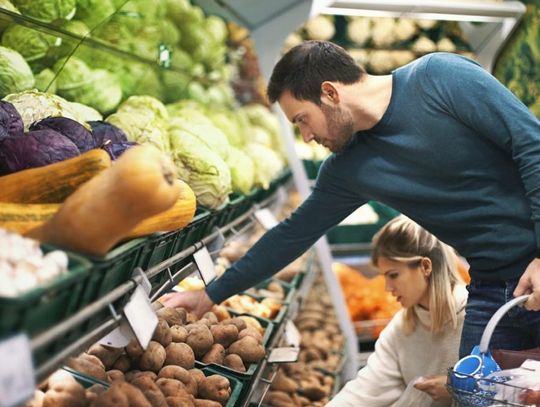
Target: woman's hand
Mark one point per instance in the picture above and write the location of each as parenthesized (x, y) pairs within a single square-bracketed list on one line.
[(435, 387), (196, 301)]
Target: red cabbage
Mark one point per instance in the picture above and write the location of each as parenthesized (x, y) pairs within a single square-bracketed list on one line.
[(71, 129), (115, 150), (103, 131), (34, 149), (10, 120)]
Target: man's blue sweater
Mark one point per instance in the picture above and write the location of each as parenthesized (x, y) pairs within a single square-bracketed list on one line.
[(455, 151)]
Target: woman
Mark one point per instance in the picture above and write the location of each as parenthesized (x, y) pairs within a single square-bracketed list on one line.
[(412, 354)]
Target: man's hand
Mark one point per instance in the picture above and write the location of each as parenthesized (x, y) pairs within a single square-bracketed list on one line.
[(529, 283), (435, 387), (196, 301)]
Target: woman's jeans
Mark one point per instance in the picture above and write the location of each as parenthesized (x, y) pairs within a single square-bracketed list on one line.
[(518, 329)]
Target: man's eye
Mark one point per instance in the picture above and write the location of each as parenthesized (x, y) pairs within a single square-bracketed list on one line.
[(393, 276)]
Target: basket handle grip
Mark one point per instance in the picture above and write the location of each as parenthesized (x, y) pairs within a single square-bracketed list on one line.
[(490, 327)]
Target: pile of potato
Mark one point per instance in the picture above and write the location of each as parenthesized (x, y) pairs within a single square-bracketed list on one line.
[(265, 308), (298, 384), (169, 360)]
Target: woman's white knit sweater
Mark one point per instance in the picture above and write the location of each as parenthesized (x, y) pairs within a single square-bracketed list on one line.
[(399, 359)]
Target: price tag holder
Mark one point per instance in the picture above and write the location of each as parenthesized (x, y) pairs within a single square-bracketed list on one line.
[(284, 355), (292, 335), (266, 218), (205, 265), (145, 283), (119, 337), (141, 317), (17, 380)]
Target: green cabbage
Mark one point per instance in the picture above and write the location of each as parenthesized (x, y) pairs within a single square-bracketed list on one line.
[(267, 162), (30, 43), (207, 133), (204, 171), (102, 91), (85, 113), (226, 122), (242, 170), (216, 29), (45, 81), (259, 115), (169, 33), (72, 73), (260, 136), (33, 106), (46, 10), (15, 74), (94, 12), (145, 103), (141, 127)]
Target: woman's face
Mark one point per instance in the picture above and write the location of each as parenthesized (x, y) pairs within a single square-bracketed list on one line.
[(409, 284)]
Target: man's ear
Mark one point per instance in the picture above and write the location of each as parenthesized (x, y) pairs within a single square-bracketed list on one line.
[(329, 93)]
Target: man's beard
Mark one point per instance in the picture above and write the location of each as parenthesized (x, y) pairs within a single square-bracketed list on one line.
[(340, 127)]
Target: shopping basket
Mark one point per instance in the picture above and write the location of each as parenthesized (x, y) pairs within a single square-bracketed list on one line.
[(476, 390)]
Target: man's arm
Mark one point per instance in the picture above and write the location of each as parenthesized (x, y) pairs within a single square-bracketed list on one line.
[(328, 205)]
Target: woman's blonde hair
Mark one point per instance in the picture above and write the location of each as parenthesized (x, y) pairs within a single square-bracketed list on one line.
[(405, 241)]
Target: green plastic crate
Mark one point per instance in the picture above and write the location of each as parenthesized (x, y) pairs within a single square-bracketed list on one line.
[(47, 305)]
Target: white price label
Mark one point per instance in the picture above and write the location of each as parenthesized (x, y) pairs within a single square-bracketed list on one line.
[(266, 218), (283, 355), (119, 337), (141, 316), (292, 336), (205, 264), (17, 382)]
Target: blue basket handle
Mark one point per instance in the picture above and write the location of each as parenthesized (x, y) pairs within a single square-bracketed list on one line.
[(490, 327)]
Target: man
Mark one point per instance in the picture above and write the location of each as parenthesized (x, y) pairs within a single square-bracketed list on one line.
[(441, 141)]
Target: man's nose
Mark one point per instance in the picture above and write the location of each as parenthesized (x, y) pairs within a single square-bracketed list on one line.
[(307, 135)]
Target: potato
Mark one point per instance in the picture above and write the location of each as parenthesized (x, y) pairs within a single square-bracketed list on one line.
[(171, 387), (123, 363), (221, 312), (206, 403), (210, 316), (178, 333), (234, 362), (215, 387), (224, 334), (249, 349), (180, 354), (252, 322), (64, 390), (162, 334), (83, 365), (197, 374), (111, 398), (135, 396), (153, 358), (173, 316), (134, 350), (180, 401), (94, 391), (134, 374), (204, 321), (249, 331), (200, 340), (107, 354), (279, 399), (180, 374), (283, 383), (191, 318), (239, 323), (216, 354), (114, 375), (92, 359), (150, 390)]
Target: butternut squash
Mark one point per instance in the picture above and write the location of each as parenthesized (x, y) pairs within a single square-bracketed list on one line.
[(176, 217), (53, 183), (21, 218), (101, 212)]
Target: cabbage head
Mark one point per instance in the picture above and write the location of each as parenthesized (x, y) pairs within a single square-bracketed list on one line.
[(141, 127), (85, 113), (33, 106), (267, 162), (30, 43), (207, 133), (225, 121), (145, 103), (201, 168), (46, 10), (15, 74), (44, 80), (73, 73), (93, 12), (242, 170)]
